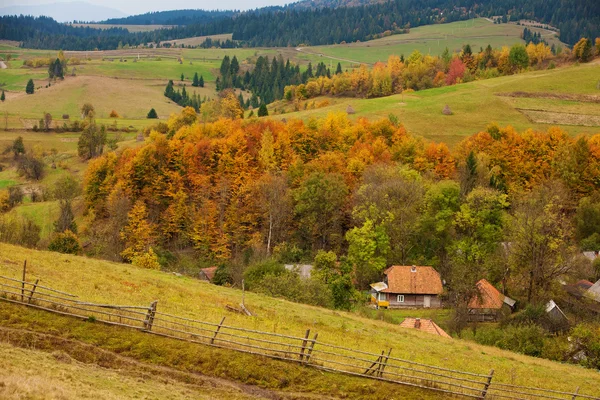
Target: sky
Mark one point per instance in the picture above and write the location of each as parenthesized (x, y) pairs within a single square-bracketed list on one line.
[(133, 7)]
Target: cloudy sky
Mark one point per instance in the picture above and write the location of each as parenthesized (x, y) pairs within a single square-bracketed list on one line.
[(142, 6)]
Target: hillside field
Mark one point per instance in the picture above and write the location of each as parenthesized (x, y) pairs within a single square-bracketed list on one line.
[(34, 374), (480, 103), (107, 282), (433, 39)]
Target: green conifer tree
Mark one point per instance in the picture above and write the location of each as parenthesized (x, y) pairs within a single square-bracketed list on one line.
[(262, 110), (201, 81), (195, 82), (30, 88)]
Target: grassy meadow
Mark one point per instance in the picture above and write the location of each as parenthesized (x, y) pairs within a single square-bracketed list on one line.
[(433, 39), (107, 282)]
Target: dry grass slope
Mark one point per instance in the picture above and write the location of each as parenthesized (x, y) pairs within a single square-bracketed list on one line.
[(106, 282)]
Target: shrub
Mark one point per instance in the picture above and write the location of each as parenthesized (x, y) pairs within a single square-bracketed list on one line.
[(258, 271), (65, 242), (19, 230), (114, 114), (291, 286), (222, 275), (31, 167), (148, 260)]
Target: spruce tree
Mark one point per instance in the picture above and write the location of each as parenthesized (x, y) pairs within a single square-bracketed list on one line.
[(234, 67), (152, 114), (241, 100), (30, 88), (338, 70), (195, 80), (182, 77), (262, 110), (201, 81), (3, 96)]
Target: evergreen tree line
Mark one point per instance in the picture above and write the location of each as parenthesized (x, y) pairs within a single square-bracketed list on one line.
[(172, 17), (268, 79), (182, 97), (291, 27), (532, 37)]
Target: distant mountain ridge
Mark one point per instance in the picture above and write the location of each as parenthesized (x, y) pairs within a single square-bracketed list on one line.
[(171, 17), (65, 12)]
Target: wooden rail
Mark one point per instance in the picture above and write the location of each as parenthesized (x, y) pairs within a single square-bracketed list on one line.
[(300, 349)]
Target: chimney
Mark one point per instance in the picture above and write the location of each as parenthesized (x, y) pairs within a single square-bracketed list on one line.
[(413, 268), (417, 323)]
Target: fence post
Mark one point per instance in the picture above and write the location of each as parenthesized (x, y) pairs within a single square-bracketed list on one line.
[(311, 347), (575, 394), (150, 316), (23, 281), (372, 369), (212, 341), (487, 384), (304, 342), (32, 291), (385, 360)]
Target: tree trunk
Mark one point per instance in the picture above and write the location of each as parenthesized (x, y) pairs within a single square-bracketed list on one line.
[(270, 233)]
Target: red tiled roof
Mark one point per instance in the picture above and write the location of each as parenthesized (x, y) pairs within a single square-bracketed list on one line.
[(425, 325), (489, 297), (209, 272), (413, 280)]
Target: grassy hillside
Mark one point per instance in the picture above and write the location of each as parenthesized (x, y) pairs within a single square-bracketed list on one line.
[(101, 281), (479, 103), (433, 39), (34, 374), (132, 99)]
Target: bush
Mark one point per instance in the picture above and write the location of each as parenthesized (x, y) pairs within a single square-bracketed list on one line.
[(291, 286), (222, 275), (65, 242), (113, 114), (257, 272), (152, 114), (19, 230), (526, 339), (148, 260), (31, 167)]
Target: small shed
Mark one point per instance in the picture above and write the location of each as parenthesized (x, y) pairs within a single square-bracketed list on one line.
[(207, 274), (304, 270), (424, 325), (488, 303), (558, 318)]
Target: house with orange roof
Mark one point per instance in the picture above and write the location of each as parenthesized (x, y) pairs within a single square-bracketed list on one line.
[(424, 325), (488, 303), (408, 287)]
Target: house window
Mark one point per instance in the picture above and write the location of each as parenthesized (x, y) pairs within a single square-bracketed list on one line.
[(400, 298), (382, 297)]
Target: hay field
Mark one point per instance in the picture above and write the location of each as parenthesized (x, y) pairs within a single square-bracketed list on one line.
[(198, 40), (132, 99)]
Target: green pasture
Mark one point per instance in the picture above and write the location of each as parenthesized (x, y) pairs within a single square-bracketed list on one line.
[(432, 39)]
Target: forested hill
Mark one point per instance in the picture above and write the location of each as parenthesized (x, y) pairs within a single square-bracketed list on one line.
[(174, 17), (290, 26)]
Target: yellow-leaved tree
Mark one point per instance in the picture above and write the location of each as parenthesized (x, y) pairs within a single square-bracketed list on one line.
[(138, 234)]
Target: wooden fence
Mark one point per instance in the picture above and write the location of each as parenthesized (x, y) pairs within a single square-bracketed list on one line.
[(305, 349)]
